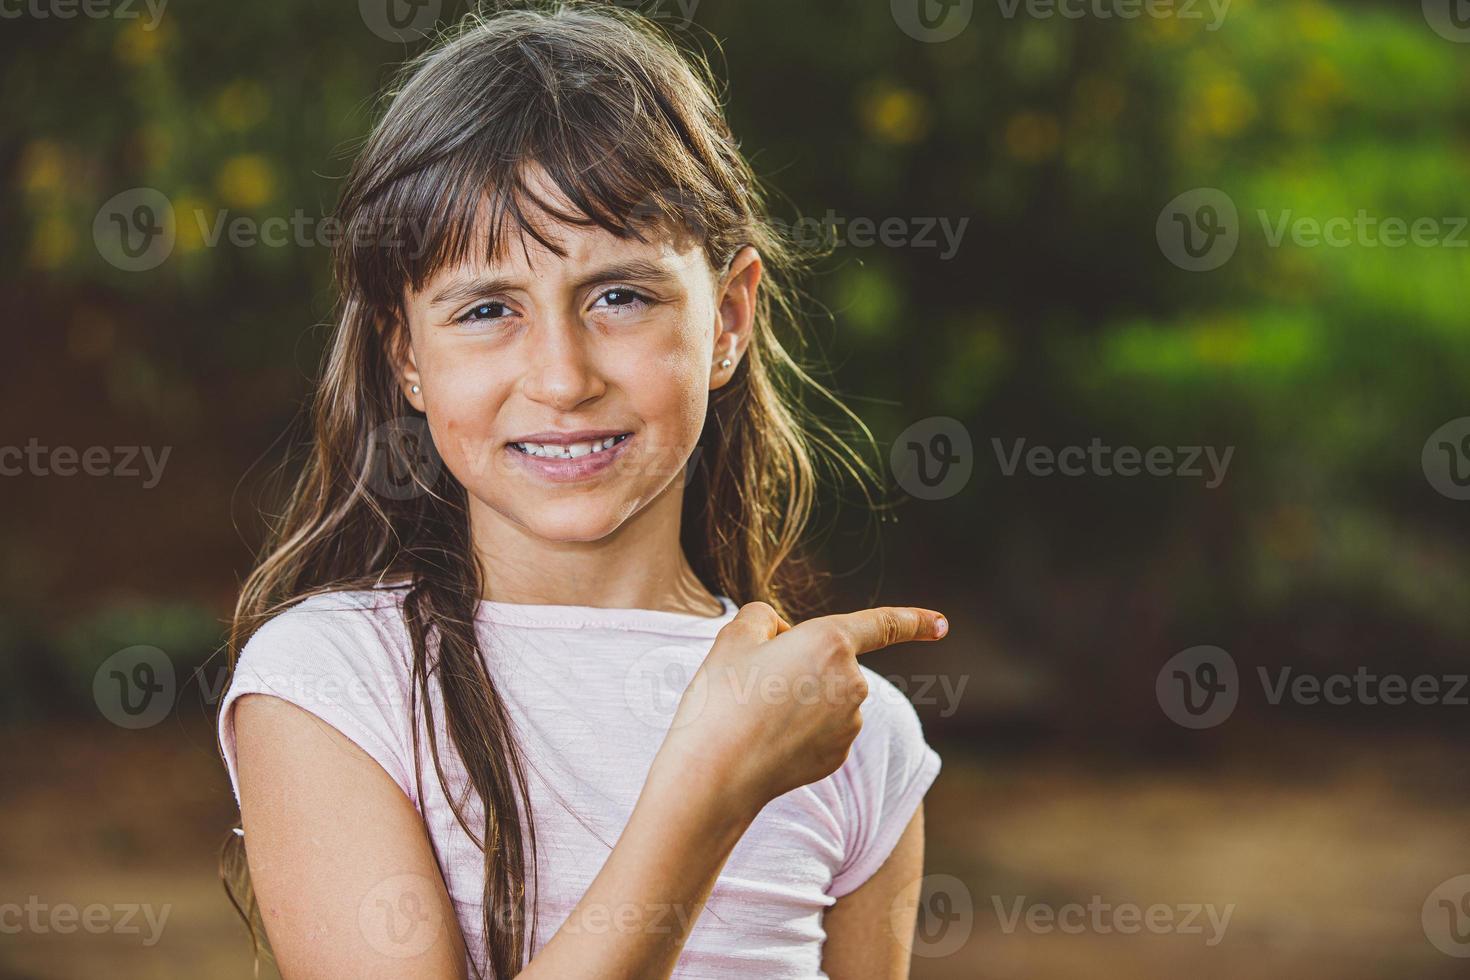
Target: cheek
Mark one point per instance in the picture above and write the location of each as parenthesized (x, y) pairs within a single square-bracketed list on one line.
[(462, 397), (675, 395)]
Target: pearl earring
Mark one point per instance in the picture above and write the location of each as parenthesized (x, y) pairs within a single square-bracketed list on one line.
[(725, 363), (414, 389)]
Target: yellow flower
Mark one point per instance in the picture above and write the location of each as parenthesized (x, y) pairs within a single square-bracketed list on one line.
[(896, 115), (245, 181), (189, 211), (1032, 136), (41, 167), (138, 45), (52, 242), (242, 104)]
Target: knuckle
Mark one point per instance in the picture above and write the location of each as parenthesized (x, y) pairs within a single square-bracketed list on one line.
[(837, 639), (757, 608), (889, 628)]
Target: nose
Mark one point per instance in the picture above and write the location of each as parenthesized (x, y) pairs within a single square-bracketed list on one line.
[(561, 371)]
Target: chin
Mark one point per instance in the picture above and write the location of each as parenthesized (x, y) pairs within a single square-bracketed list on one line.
[(573, 521)]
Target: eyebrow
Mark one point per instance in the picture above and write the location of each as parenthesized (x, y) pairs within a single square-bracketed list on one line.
[(637, 270)]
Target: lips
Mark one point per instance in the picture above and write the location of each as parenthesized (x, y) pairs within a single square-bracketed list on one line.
[(568, 457)]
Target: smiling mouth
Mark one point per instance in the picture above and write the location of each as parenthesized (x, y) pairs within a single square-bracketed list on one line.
[(569, 450)]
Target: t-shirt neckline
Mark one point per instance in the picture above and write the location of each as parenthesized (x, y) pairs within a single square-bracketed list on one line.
[(548, 616)]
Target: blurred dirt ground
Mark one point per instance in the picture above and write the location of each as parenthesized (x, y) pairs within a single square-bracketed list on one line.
[(1325, 855)]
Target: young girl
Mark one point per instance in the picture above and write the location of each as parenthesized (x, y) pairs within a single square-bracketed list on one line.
[(498, 713)]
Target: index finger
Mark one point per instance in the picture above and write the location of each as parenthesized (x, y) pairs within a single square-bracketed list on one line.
[(883, 626)]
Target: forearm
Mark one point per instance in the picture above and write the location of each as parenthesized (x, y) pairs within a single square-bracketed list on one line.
[(636, 915)]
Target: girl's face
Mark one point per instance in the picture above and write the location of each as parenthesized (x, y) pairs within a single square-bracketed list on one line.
[(567, 393)]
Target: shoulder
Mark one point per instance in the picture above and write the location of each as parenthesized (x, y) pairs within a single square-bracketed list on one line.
[(888, 711), (341, 656), (890, 753), (358, 628), (886, 774)]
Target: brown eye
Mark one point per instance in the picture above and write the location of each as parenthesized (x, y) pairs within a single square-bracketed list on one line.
[(621, 298), (485, 311)]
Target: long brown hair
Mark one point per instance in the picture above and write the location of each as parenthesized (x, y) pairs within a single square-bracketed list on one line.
[(628, 128)]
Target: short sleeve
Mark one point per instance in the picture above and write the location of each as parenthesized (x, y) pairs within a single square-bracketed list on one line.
[(887, 773), (330, 656)]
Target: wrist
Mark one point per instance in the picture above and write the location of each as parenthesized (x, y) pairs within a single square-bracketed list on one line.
[(705, 782)]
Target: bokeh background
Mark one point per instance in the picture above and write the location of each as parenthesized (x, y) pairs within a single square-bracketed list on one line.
[(1136, 266)]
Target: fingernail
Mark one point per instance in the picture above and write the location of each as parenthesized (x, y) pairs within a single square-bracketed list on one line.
[(941, 627)]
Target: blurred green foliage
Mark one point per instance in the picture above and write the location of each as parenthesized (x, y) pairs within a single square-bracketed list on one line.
[(1059, 320)]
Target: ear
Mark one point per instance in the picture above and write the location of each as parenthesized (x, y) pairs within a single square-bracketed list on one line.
[(737, 295), (400, 354)]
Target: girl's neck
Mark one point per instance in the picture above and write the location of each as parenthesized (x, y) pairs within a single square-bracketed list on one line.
[(641, 565)]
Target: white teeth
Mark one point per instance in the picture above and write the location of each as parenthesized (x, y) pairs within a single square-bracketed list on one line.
[(574, 451)]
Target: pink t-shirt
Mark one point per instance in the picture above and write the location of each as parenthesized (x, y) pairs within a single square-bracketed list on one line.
[(592, 693)]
